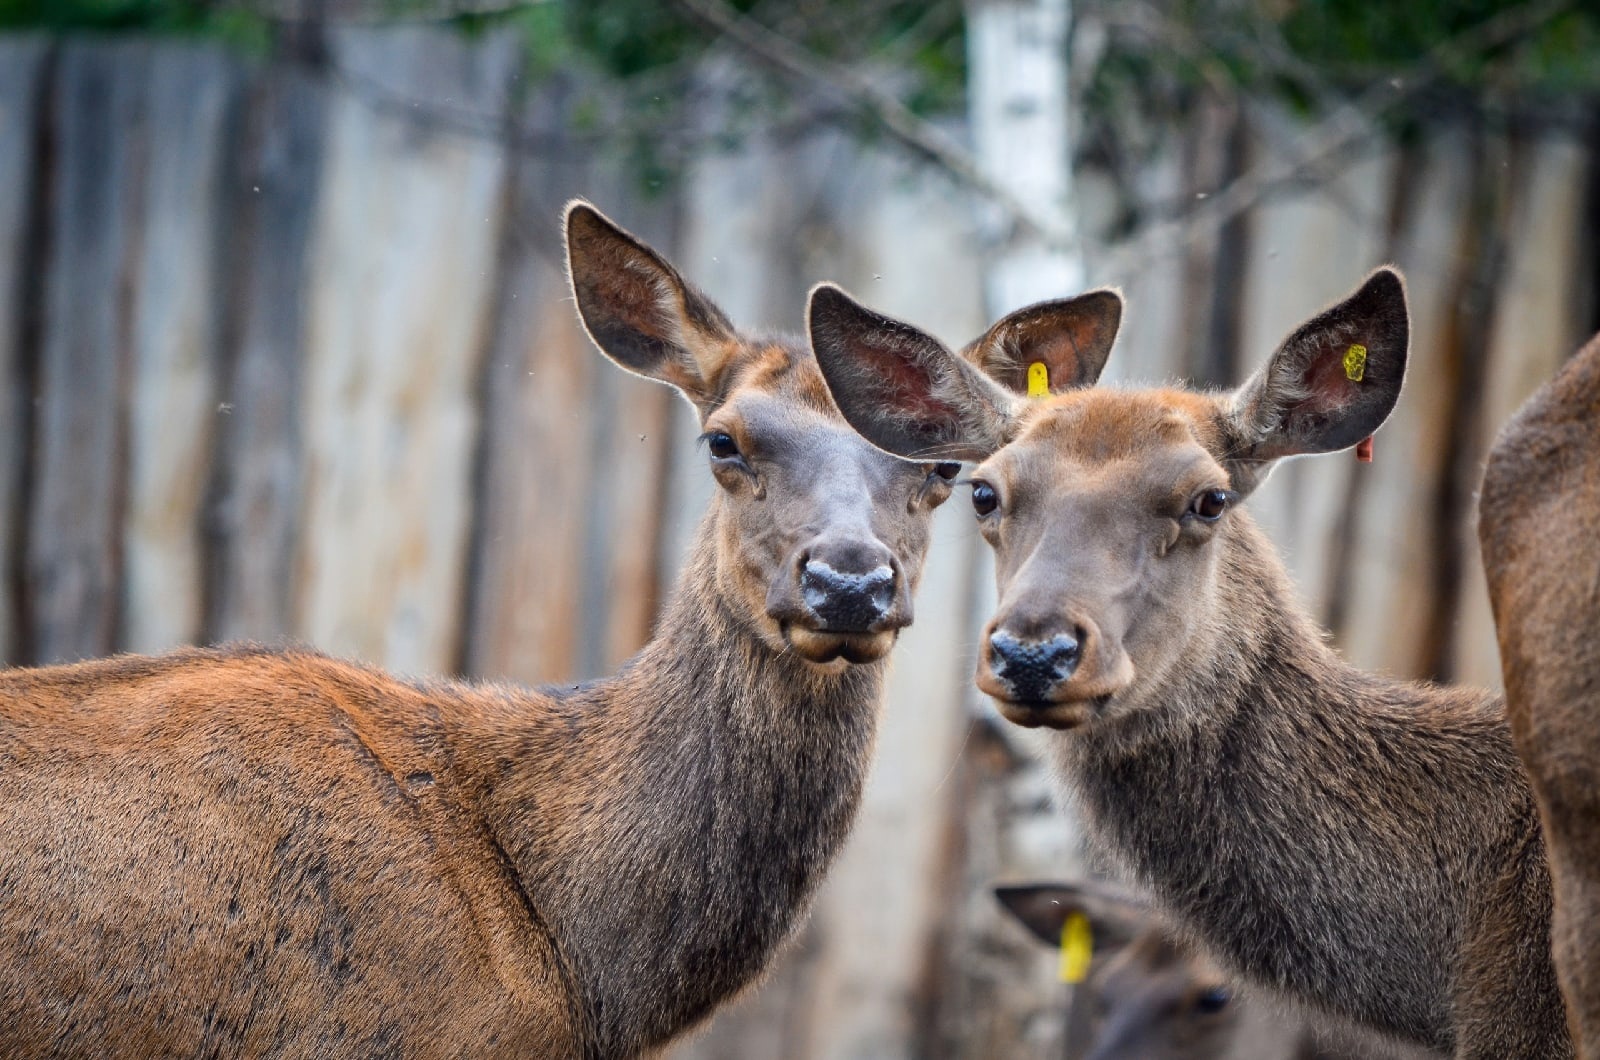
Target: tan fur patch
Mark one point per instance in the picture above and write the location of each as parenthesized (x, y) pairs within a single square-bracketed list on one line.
[(1106, 424), (776, 370)]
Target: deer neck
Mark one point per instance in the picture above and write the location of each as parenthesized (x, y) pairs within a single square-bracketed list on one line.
[(1285, 805), (701, 795)]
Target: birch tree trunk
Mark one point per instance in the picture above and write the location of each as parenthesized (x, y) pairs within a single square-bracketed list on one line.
[(1017, 87)]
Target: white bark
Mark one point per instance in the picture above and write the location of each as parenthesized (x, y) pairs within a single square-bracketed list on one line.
[(1017, 53)]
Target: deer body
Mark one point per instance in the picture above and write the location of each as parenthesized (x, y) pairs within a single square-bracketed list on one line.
[(1365, 845), (273, 853), (444, 869), (1538, 521)]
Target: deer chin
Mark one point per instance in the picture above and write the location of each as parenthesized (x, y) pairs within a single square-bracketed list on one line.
[(1085, 705), (829, 648), (1032, 714)]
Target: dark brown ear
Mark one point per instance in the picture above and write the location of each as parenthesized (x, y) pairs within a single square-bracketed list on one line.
[(902, 390), (1116, 917), (1070, 338), (640, 312), (1330, 384)]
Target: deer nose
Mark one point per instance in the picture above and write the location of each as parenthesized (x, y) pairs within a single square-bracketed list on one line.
[(1033, 668), (846, 601)]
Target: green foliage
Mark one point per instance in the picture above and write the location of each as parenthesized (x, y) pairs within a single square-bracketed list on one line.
[(237, 27), (1309, 50), (1158, 59), (177, 15), (921, 40), (651, 50)]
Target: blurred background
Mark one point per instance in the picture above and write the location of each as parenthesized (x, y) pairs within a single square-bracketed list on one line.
[(285, 349)]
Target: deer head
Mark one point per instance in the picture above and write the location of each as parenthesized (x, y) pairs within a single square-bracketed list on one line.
[(817, 537), (1111, 511), (1148, 994)]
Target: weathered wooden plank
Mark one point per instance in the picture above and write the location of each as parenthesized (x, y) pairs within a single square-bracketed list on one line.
[(625, 579), (533, 469), (176, 313), (1310, 248), (1388, 587), (73, 550), (254, 500), (1151, 346), (1537, 325), (22, 82), (631, 481), (1214, 143), (401, 271), (528, 575)]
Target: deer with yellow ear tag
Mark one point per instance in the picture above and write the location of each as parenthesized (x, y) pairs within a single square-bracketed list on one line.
[(1366, 845)]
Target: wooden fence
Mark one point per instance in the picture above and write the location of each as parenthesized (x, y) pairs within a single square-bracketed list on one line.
[(285, 351)]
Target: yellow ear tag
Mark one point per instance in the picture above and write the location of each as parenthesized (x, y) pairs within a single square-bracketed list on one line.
[(1077, 948), (1355, 362), (1038, 380)]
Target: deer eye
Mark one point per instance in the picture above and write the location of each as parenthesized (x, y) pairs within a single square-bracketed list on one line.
[(1208, 505), (1213, 1000), (984, 498), (722, 445)]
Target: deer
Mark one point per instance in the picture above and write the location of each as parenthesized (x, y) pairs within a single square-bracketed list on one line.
[(1364, 845), (1149, 994), (1538, 520), (265, 851)]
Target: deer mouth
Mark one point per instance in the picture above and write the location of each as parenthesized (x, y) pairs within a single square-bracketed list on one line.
[(831, 646), (1037, 714)]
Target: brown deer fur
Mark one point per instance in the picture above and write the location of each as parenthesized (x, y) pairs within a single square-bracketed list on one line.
[(252, 852), (1363, 844), (1539, 526)]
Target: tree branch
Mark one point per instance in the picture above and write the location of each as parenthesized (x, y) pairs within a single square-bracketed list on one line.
[(861, 95), (1342, 130)]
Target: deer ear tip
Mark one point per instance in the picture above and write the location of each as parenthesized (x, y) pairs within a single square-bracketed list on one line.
[(828, 300), (1388, 280), (1116, 301), (579, 212), (582, 225)]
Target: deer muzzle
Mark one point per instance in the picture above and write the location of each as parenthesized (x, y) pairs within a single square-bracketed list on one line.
[(1053, 677), (841, 600)]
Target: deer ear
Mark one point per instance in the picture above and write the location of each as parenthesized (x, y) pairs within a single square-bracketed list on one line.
[(1070, 337), (1115, 917), (901, 389), (640, 312), (1331, 383)]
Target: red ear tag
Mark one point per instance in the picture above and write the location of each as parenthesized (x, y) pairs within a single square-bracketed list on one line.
[(1364, 450)]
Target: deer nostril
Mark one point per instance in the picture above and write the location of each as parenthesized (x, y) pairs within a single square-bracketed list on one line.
[(1034, 667), (845, 601)]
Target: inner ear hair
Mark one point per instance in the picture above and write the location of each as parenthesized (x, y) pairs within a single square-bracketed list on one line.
[(899, 387), (1068, 338), (639, 311), (1332, 382)]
